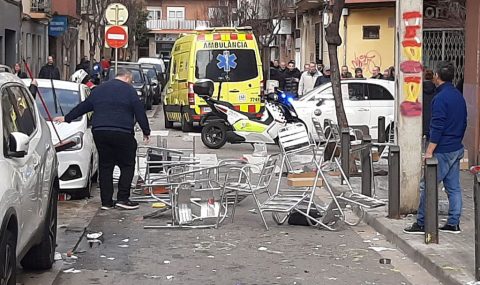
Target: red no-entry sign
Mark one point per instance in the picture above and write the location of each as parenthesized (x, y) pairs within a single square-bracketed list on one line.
[(116, 36)]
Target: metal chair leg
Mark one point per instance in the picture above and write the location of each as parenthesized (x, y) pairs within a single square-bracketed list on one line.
[(259, 210), (234, 205), (222, 197)]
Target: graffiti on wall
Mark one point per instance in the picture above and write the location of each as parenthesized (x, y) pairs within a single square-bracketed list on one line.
[(411, 66), (367, 61)]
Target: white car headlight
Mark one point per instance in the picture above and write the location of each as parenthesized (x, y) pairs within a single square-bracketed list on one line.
[(77, 139), (139, 93)]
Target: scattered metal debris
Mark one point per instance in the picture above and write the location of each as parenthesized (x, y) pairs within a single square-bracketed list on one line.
[(94, 235), (380, 248), (72, 270), (385, 261)]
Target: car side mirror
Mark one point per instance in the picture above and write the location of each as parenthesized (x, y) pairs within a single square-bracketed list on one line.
[(204, 87), (18, 145), (320, 102)]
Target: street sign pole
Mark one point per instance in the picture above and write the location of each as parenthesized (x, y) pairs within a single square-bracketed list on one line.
[(116, 61), (117, 14)]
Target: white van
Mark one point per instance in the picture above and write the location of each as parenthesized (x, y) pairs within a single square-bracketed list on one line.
[(158, 62)]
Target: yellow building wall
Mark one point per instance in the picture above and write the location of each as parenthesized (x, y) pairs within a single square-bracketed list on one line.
[(367, 53)]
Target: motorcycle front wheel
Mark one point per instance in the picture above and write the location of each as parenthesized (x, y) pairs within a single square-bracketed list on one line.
[(214, 135)]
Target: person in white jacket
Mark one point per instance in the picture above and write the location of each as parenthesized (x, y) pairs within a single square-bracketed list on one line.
[(307, 80)]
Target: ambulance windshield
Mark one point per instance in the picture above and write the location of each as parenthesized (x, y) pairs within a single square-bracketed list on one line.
[(234, 65)]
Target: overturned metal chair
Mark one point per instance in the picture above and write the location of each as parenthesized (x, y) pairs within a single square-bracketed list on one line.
[(298, 150), (348, 199), (243, 181), (194, 197)]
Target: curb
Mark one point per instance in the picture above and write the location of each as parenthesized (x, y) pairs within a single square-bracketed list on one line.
[(428, 264)]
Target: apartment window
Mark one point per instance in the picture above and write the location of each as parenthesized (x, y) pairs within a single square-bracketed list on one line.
[(154, 13), (371, 32), (176, 13)]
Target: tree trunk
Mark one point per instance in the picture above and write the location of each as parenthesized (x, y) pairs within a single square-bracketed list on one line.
[(334, 40), (336, 87)]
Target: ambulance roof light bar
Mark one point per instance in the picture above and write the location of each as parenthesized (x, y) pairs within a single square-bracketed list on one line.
[(215, 29)]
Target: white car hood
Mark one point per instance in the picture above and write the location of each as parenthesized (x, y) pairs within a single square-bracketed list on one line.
[(66, 130)]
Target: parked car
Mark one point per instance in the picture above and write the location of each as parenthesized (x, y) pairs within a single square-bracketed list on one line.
[(155, 79), (159, 64), (364, 101), (78, 165), (140, 82), (29, 183)]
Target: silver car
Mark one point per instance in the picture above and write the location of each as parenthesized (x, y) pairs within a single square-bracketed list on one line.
[(29, 183)]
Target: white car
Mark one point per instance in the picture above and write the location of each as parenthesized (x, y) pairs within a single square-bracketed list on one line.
[(29, 183), (77, 165), (364, 101), (158, 62)]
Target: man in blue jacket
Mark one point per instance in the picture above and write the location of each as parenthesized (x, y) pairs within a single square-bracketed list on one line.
[(116, 106), (447, 128)]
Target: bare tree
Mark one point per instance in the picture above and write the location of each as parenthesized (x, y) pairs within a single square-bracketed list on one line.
[(137, 24), (95, 25), (221, 15), (69, 40), (264, 16), (334, 40)]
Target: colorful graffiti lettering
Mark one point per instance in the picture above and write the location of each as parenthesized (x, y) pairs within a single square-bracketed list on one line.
[(412, 66), (367, 61)]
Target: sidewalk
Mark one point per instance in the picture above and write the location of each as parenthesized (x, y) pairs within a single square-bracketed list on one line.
[(452, 260)]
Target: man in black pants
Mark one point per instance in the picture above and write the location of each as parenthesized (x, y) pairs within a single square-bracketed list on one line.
[(116, 106)]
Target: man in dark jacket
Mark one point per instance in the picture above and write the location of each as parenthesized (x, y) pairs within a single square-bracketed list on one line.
[(49, 70), (115, 107), (291, 78), (447, 129), (376, 74), (325, 78)]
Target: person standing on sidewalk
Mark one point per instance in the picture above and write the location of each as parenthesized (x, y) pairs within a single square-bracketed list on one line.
[(308, 79), (49, 70), (115, 107), (447, 128)]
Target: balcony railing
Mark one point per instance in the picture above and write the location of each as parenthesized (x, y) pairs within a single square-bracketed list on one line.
[(176, 24), (41, 6)]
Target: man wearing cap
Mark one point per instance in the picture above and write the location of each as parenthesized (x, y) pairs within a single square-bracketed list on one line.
[(325, 78)]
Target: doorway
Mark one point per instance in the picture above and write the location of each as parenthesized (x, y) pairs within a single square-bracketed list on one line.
[(10, 47)]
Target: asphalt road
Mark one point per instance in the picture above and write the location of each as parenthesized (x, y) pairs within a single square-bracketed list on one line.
[(242, 252)]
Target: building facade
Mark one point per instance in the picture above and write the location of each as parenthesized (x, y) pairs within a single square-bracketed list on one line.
[(34, 33), (10, 23), (168, 19), (367, 28)]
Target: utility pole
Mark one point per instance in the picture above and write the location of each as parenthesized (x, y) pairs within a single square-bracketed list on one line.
[(408, 62)]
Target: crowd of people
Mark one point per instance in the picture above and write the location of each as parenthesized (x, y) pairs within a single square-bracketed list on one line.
[(299, 83), (95, 71)]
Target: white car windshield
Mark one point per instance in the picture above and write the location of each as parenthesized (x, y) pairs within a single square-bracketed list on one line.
[(319, 92), (66, 101)]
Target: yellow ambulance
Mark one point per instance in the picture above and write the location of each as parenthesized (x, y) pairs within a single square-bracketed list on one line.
[(228, 56)]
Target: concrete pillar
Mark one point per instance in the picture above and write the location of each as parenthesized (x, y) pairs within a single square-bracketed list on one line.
[(471, 89), (409, 106)]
